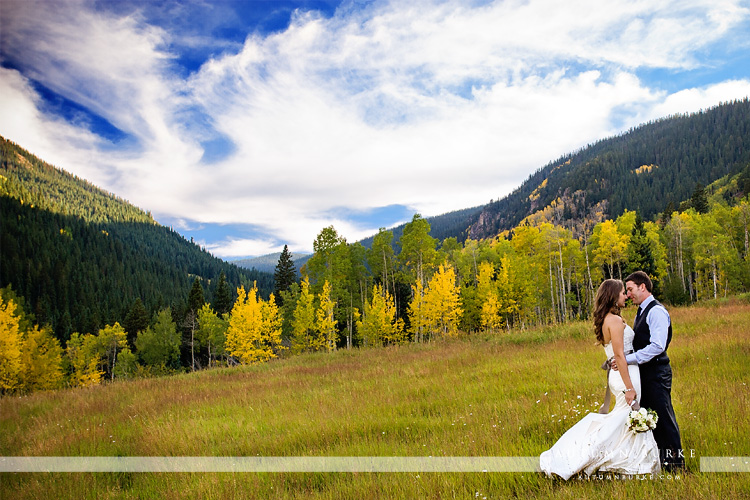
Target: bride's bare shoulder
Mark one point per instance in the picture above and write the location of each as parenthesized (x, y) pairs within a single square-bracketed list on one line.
[(613, 320), (613, 324)]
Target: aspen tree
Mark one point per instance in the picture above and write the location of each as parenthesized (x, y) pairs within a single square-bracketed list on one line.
[(85, 359), (254, 333), (212, 332), (379, 324), (305, 336), (326, 321), (442, 303), (417, 314), (10, 346), (610, 246), (41, 359), (488, 298)]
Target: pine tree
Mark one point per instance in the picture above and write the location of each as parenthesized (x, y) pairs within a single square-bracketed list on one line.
[(195, 298), (223, 296), (284, 276), (136, 320), (699, 200), (639, 254)]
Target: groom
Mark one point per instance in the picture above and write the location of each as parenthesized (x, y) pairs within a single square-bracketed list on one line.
[(653, 332)]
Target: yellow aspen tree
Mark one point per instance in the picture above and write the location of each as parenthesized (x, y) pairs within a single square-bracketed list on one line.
[(85, 360), (305, 336), (254, 334), (530, 261), (513, 291), (326, 321), (379, 325), (10, 347), (488, 297), (442, 303), (610, 247), (271, 324), (41, 360)]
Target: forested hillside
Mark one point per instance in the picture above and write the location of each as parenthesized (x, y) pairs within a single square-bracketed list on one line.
[(645, 170), (81, 257)]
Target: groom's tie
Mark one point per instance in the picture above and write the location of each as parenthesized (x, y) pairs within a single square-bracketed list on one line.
[(637, 316)]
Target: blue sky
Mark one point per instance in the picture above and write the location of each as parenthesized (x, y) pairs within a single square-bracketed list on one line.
[(248, 125)]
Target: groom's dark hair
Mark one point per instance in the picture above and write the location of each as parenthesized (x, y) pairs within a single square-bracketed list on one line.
[(641, 278)]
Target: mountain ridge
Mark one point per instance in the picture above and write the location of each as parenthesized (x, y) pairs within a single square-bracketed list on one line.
[(80, 256)]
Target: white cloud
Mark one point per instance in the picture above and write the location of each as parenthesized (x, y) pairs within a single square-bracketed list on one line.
[(694, 99), (435, 106)]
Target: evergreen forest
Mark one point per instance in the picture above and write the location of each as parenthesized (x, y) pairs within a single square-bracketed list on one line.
[(80, 258)]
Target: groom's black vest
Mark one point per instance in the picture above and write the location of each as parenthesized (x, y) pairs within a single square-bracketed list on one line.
[(643, 337)]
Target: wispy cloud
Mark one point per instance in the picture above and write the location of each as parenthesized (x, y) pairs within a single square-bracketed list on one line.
[(431, 105)]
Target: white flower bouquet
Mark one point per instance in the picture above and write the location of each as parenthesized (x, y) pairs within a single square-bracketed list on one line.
[(642, 420)]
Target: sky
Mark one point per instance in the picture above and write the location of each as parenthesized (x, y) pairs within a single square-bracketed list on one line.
[(248, 125)]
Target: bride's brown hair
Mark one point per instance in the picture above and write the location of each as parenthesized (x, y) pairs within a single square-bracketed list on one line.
[(605, 303)]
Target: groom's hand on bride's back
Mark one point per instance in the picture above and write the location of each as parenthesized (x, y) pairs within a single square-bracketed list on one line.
[(613, 364)]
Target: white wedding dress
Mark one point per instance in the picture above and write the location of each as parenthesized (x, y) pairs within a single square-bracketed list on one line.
[(602, 442)]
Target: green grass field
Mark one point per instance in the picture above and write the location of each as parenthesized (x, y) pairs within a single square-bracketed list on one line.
[(510, 394)]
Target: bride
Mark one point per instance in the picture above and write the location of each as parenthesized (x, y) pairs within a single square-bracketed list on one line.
[(601, 441)]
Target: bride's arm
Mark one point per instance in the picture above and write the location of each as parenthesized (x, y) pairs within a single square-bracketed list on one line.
[(617, 334)]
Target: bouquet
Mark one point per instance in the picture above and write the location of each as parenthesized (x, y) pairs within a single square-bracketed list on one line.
[(642, 420)]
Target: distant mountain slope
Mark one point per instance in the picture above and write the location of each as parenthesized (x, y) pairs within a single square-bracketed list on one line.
[(454, 224), (267, 263), (80, 257), (644, 169)]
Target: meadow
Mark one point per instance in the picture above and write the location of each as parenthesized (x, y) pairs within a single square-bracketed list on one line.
[(507, 394)]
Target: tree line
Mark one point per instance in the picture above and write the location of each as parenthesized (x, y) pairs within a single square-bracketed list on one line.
[(416, 289)]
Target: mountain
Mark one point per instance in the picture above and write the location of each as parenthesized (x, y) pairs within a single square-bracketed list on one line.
[(454, 224), (267, 263), (80, 257), (646, 169)]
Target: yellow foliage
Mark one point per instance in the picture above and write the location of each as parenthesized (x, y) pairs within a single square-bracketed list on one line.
[(10, 347), (379, 325), (643, 169), (535, 194), (85, 359), (306, 337), (326, 321), (254, 333), (491, 319), (442, 303), (41, 357)]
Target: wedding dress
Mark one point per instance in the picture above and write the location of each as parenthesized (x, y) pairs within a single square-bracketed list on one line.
[(602, 442)]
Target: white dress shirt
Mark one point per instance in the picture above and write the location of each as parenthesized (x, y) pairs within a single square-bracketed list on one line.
[(658, 323)]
